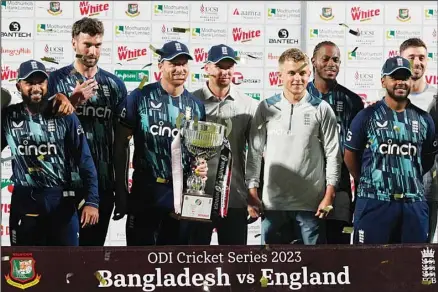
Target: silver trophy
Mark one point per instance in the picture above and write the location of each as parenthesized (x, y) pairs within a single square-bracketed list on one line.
[(202, 140)]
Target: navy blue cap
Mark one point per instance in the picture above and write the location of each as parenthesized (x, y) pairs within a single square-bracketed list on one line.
[(220, 52), (30, 67), (173, 49), (396, 63)]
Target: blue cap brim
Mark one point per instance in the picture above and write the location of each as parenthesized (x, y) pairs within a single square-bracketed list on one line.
[(225, 57), (396, 69), (33, 72), (176, 55)]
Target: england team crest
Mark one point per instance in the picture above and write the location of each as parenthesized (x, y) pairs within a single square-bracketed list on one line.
[(54, 8), (22, 274), (403, 15), (132, 10), (327, 13)]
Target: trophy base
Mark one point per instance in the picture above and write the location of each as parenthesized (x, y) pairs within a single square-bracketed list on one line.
[(195, 206)]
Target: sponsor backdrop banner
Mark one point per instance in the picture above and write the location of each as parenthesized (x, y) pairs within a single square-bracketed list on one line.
[(262, 30), (382, 26), (210, 268)]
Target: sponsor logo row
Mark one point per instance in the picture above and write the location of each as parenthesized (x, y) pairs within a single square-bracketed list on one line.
[(207, 11), (233, 34)]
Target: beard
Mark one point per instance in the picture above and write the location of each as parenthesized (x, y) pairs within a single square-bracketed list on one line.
[(36, 106), (398, 97), (89, 62)]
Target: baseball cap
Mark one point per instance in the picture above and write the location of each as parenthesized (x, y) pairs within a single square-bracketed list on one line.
[(173, 49), (30, 67), (394, 64), (220, 52)]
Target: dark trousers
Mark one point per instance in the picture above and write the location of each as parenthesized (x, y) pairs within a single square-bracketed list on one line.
[(231, 230), (149, 222), (382, 222), (43, 217), (95, 235)]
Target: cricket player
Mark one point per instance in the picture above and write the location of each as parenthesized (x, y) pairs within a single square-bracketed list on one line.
[(389, 147), (422, 95), (225, 102), (302, 157), (96, 94), (43, 209), (150, 115), (345, 104)]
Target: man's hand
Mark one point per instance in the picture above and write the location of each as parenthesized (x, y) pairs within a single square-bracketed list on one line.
[(327, 203), (84, 91), (255, 207), (90, 216), (63, 105), (202, 169), (121, 207)]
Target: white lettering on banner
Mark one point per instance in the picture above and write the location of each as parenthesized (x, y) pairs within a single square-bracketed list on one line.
[(43, 149), (159, 278), (163, 131)]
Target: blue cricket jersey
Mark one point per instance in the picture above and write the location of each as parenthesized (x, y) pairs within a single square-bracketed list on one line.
[(97, 115), (393, 144), (346, 105), (42, 146), (152, 113)]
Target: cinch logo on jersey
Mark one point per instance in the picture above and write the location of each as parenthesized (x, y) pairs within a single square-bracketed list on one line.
[(132, 75), (274, 79), (200, 55), (395, 149), (16, 52), (43, 149), (363, 15), (126, 54), (245, 36), (91, 9), (15, 31), (161, 130), (8, 73), (133, 31), (91, 111)]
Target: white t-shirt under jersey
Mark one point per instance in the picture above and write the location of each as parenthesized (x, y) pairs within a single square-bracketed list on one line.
[(423, 99)]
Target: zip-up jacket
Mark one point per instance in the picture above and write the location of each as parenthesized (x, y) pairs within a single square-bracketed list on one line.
[(302, 152)]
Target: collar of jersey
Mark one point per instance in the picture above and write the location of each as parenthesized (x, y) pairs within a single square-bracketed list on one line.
[(207, 94), (85, 78), (285, 102)]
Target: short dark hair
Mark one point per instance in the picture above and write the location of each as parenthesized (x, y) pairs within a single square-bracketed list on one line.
[(91, 26), (413, 42), (322, 44)]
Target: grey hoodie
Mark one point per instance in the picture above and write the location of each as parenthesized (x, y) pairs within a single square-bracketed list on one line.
[(299, 140)]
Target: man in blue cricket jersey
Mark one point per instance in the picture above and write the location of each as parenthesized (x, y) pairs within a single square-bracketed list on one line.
[(399, 144), (43, 211), (150, 115), (96, 94), (346, 104)]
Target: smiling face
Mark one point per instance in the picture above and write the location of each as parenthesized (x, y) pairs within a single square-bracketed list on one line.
[(295, 76), (418, 58), (175, 71), (398, 85), (326, 62), (221, 73)]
